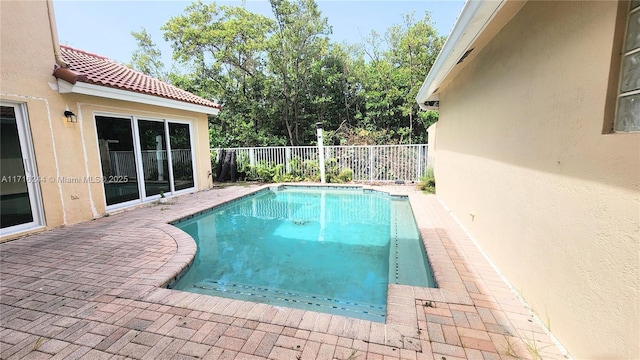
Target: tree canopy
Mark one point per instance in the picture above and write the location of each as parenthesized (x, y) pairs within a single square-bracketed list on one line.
[(277, 76)]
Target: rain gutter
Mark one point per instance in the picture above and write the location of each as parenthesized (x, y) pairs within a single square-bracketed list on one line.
[(472, 21)]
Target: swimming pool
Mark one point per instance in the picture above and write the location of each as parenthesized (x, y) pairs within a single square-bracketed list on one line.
[(325, 249)]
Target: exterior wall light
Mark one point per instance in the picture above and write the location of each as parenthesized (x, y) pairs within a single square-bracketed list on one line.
[(71, 117)]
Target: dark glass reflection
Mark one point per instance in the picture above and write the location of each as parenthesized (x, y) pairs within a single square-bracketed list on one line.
[(154, 157), (181, 160), (115, 141), (15, 207)]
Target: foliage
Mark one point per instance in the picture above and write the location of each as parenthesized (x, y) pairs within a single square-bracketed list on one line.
[(278, 178), (147, 58), (334, 173), (269, 172), (345, 175), (428, 182), (213, 156), (300, 170), (276, 77), (295, 52), (266, 172)]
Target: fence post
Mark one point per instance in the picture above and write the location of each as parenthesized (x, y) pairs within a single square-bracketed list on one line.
[(252, 157), (320, 152), (287, 159), (371, 163)]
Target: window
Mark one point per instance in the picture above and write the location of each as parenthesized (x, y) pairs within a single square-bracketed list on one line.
[(144, 158), (628, 104)]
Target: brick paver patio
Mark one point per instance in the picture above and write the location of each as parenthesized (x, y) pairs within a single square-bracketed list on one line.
[(94, 291)]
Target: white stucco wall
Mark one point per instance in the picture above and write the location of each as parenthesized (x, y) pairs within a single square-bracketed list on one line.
[(556, 202)]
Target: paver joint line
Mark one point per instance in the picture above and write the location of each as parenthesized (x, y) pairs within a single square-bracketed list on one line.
[(94, 289)]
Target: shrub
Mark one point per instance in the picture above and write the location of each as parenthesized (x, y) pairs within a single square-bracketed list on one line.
[(265, 172), (288, 177), (428, 182), (345, 175), (214, 164), (270, 173)]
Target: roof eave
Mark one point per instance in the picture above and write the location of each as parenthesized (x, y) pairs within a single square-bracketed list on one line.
[(118, 94), (68, 75), (472, 21)]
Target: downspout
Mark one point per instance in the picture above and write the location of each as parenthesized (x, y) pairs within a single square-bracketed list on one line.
[(54, 36)]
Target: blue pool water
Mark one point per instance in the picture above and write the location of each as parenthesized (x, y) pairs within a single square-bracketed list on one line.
[(325, 249)]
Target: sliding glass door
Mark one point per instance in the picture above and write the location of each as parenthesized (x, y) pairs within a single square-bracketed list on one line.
[(20, 201), (142, 159), (181, 156), (153, 143), (118, 159)]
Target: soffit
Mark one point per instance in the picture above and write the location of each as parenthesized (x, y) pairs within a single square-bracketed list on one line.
[(477, 24)]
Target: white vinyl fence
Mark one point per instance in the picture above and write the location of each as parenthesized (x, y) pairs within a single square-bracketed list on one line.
[(368, 163)]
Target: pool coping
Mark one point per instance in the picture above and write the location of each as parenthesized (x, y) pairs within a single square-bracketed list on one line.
[(402, 327), (94, 288)]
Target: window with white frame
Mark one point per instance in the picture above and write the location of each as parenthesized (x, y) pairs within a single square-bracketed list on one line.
[(628, 108), (144, 158)]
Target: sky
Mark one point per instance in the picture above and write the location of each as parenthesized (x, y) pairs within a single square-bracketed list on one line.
[(104, 27)]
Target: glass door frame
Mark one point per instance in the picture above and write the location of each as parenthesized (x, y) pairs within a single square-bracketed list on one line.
[(167, 141), (138, 156), (31, 170), (134, 128), (170, 159)]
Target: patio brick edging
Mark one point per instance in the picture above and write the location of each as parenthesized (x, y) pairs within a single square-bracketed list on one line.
[(411, 311), (91, 290), (401, 327), (400, 330), (180, 261)]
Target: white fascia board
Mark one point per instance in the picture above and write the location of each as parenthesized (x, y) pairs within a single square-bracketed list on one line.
[(473, 19), (118, 94)]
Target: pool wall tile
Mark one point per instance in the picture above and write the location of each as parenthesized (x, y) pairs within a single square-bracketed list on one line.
[(339, 307)]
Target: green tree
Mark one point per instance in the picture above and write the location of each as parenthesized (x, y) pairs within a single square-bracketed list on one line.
[(415, 44), (300, 39), (276, 77), (147, 58), (397, 64), (227, 46)]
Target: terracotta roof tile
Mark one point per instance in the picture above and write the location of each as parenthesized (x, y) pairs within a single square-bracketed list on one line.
[(99, 70)]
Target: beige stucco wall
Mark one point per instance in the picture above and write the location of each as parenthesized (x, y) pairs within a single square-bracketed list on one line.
[(555, 203), (61, 148), (432, 147)]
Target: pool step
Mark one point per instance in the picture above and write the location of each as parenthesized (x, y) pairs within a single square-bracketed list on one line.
[(299, 300), (408, 264)]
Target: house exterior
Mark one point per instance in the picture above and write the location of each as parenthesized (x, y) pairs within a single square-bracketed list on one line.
[(83, 135), (537, 153)]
